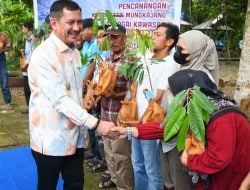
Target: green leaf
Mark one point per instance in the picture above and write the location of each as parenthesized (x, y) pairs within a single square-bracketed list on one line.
[(105, 45), (141, 46), (183, 133), (137, 71), (131, 70), (176, 103), (203, 100), (95, 27), (102, 20), (131, 53), (196, 121), (111, 19), (174, 123), (205, 116), (84, 58), (124, 69), (141, 77)]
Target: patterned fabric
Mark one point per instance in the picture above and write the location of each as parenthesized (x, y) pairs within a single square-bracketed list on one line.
[(55, 103), (111, 106)]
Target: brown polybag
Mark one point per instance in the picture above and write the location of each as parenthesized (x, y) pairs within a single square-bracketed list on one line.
[(154, 112), (107, 79), (193, 145), (89, 100), (129, 109)]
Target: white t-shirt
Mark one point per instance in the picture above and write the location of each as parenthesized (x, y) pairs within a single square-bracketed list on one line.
[(159, 73), (29, 48)]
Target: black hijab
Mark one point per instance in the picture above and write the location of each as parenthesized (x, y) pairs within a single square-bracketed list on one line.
[(188, 78)]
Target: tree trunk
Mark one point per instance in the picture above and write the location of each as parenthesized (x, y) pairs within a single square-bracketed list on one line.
[(242, 92)]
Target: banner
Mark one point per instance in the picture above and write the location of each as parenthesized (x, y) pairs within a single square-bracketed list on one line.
[(136, 14)]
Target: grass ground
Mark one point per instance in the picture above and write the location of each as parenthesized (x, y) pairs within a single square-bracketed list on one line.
[(14, 132)]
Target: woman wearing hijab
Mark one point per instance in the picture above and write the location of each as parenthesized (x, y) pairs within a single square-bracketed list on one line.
[(197, 51), (226, 159)]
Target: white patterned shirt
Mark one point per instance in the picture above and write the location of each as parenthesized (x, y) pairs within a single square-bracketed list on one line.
[(56, 117)]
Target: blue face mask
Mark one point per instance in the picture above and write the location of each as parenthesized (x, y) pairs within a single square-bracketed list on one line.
[(180, 57)]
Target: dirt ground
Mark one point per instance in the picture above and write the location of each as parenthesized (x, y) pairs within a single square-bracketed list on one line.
[(228, 77)]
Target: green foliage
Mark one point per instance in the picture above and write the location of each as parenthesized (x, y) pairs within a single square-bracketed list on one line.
[(99, 21), (12, 16), (196, 120), (132, 70), (135, 70), (234, 12), (111, 19), (177, 102), (84, 58), (174, 123), (183, 132), (189, 110)]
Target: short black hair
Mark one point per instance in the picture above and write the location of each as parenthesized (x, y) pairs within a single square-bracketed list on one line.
[(56, 9), (87, 23), (172, 31), (28, 24)]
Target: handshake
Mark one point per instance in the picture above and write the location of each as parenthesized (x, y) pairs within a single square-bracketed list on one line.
[(110, 131)]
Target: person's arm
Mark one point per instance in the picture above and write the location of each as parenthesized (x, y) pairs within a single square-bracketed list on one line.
[(218, 153), (147, 131), (159, 95), (123, 131), (52, 86), (7, 46)]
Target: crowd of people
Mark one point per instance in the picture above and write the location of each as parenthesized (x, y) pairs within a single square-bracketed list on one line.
[(133, 156)]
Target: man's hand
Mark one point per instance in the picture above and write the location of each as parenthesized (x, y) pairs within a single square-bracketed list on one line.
[(184, 158), (104, 129), (122, 131)]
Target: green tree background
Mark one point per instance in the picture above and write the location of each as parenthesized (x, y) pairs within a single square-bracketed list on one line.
[(13, 13), (234, 12)]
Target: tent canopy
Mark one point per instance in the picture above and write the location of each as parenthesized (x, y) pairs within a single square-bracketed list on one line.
[(213, 24)]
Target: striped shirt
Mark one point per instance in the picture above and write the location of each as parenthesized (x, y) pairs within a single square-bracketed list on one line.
[(56, 119)]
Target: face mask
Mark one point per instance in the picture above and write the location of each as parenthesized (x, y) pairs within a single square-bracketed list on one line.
[(179, 57)]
